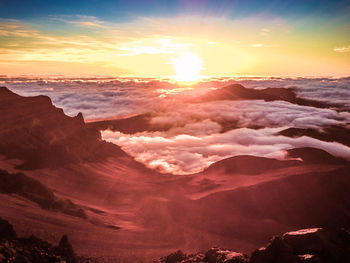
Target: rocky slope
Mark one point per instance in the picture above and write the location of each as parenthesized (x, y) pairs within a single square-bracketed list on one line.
[(32, 249), (41, 135), (313, 245), (306, 245)]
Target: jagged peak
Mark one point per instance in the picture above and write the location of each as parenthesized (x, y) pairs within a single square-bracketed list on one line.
[(80, 117)]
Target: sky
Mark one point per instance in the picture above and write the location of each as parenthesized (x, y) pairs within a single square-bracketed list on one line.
[(149, 38)]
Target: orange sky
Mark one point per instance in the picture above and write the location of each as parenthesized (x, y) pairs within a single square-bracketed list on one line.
[(148, 46)]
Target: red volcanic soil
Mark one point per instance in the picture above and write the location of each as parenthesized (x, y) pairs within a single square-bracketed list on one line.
[(134, 214), (242, 164)]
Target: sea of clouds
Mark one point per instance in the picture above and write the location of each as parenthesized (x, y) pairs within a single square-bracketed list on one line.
[(196, 137)]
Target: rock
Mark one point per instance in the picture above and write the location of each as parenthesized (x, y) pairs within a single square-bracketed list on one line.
[(276, 251), (311, 245), (213, 255), (217, 255), (306, 245), (239, 92), (6, 230), (178, 256), (33, 249), (65, 250), (193, 258), (33, 130), (331, 133), (311, 155)]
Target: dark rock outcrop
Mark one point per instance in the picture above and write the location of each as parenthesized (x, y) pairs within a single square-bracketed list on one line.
[(41, 135), (332, 133), (33, 249), (218, 255), (65, 249), (6, 230), (312, 245), (311, 155), (213, 255), (307, 245), (138, 123), (239, 92)]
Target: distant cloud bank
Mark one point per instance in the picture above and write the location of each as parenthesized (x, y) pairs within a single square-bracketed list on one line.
[(199, 134)]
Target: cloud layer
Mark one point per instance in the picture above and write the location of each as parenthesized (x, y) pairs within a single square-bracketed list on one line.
[(186, 154), (199, 133)]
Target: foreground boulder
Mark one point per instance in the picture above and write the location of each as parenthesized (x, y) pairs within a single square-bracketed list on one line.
[(6, 230), (213, 255), (218, 255), (312, 245), (307, 245), (32, 249)]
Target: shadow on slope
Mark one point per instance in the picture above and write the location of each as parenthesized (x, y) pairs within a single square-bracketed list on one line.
[(35, 191), (247, 164), (295, 201)]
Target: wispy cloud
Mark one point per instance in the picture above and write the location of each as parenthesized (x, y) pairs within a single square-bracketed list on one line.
[(14, 28), (186, 154), (136, 44), (342, 49), (81, 20), (264, 31)]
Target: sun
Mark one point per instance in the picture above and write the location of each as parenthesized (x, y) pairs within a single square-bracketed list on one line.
[(188, 67)]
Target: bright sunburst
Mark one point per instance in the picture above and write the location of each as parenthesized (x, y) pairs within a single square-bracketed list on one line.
[(188, 67)]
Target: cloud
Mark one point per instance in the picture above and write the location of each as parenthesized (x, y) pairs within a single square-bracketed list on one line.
[(199, 133), (342, 49), (14, 28), (113, 97), (186, 154), (330, 90), (265, 31), (88, 39), (249, 113), (81, 20)]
